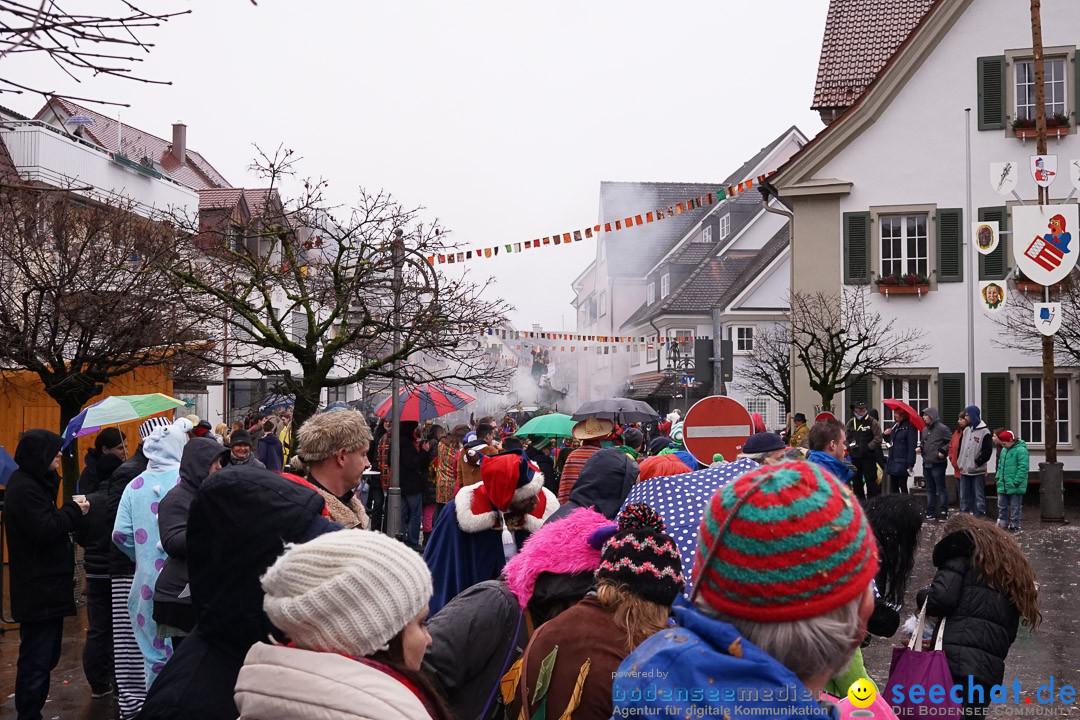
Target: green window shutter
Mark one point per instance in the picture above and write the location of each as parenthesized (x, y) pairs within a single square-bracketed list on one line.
[(1076, 87), (952, 387), (996, 397), (950, 244), (860, 390), (995, 266), (992, 92), (857, 248)]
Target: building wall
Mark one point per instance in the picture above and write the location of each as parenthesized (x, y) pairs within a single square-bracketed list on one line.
[(913, 154)]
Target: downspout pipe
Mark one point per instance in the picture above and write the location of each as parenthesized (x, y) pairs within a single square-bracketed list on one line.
[(657, 344)]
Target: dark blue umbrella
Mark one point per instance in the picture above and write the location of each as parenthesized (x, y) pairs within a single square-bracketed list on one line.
[(276, 402), (7, 466), (681, 501)]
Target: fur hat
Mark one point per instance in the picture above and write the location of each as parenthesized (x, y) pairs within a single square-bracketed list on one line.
[(509, 477), (349, 591), (326, 433), (592, 428), (642, 557)]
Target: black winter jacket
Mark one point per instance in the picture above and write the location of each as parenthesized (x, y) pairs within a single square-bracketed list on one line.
[(98, 466), (902, 453), (199, 455), (547, 467), (238, 523), (39, 546), (473, 642), (96, 533), (120, 565), (982, 623), (935, 440), (606, 479)]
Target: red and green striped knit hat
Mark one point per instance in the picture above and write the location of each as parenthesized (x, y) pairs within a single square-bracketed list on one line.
[(791, 543)]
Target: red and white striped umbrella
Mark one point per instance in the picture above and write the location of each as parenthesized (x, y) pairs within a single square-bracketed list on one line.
[(426, 402)]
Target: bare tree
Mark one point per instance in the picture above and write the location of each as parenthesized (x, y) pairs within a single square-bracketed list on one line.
[(305, 292), (80, 303), (80, 44), (1016, 323), (836, 338), (769, 371)]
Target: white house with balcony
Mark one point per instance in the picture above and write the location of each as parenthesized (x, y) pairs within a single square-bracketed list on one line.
[(881, 192)]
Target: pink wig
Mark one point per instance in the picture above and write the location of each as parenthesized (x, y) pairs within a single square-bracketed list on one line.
[(561, 547)]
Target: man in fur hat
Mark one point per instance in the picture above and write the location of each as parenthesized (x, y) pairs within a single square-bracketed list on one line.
[(485, 524), (334, 447)]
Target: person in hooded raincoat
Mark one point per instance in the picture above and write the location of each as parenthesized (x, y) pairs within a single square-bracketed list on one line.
[(136, 533), (173, 613), (606, 479), (42, 564)]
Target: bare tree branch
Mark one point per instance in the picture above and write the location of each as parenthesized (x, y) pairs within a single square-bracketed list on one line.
[(303, 291), (837, 339), (769, 371), (1016, 322)]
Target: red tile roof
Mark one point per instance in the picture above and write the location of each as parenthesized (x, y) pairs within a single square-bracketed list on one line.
[(860, 37), (106, 132), (220, 198)]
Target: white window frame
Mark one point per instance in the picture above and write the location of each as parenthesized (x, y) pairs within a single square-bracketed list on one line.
[(635, 356), (651, 352), (706, 234), (665, 285), (297, 320), (914, 399), (759, 405), (1034, 407), (339, 393), (725, 226), (739, 337), (908, 262), (1056, 79), (650, 294), (602, 310)]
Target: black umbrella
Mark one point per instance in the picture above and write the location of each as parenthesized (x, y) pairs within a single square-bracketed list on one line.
[(617, 409)]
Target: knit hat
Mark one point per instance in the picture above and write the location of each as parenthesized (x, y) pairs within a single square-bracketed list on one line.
[(783, 542), (632, 438), (509, 476), (677, 433), (642, 558), (240, 437), (763, 442), (148, 426), (349, 591), (109, 437)]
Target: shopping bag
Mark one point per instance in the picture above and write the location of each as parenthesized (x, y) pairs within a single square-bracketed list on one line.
[(913, 666), (879, 709)]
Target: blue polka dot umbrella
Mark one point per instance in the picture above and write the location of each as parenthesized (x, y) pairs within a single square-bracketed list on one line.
[(681, 501)]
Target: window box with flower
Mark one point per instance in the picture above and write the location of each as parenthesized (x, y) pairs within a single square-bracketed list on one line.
[(1057, 125), (903, 284)]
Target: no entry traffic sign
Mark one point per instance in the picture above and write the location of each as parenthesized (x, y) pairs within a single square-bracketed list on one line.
[(716, 425)]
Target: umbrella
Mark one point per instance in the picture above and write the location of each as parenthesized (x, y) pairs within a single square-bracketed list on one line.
[(912, 414), (7, 466), (116, 409), (620, 409), (681, 501), (276, 402), (426, 402), (550, 425)]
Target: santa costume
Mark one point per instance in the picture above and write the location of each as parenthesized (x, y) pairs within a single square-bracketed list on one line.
[(476, 533)]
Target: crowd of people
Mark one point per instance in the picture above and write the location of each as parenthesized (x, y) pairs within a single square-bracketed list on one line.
[(525, 582)]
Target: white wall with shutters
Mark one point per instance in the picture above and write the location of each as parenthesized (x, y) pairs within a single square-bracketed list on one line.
[(913, 154)]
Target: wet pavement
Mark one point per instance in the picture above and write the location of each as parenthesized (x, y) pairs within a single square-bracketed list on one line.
[(1054, 551)]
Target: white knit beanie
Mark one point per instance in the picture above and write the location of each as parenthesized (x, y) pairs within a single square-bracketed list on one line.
[(349, 591)]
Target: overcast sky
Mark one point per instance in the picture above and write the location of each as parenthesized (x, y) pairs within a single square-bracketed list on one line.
[(500, 119)]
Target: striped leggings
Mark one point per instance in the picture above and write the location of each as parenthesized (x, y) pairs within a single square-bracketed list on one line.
[(127, 658)]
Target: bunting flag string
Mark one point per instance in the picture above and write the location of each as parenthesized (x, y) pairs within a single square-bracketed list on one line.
[(573, 337), (567, 238)]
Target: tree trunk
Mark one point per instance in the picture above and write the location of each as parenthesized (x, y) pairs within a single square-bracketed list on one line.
[(69, 464), (307, 403)]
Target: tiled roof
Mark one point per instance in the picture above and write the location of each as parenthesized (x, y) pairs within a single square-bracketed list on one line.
[(699, 292), (860, 37), (11, 114), (765, 256), (196, 172), (258, 197), (220, 198)]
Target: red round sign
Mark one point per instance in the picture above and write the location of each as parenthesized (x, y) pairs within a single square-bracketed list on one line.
[(824, 416), (716, 425)]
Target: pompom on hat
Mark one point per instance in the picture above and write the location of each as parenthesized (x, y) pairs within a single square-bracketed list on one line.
[(349, 591), (642, 557), (783, 542)]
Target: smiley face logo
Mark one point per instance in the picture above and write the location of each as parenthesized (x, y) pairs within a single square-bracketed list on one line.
[(861, 693)]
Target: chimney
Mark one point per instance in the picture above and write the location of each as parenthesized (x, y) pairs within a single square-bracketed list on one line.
[(179, 142)]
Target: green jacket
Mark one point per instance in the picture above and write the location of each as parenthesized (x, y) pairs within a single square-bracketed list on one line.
[(1012, 470)]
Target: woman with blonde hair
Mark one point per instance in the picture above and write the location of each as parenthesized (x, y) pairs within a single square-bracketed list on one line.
[(573, 658)]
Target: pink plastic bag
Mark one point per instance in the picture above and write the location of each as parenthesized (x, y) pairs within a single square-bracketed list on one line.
[(879, 709)]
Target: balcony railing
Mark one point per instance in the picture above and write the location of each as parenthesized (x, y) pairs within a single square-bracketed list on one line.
[(44, 154)]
